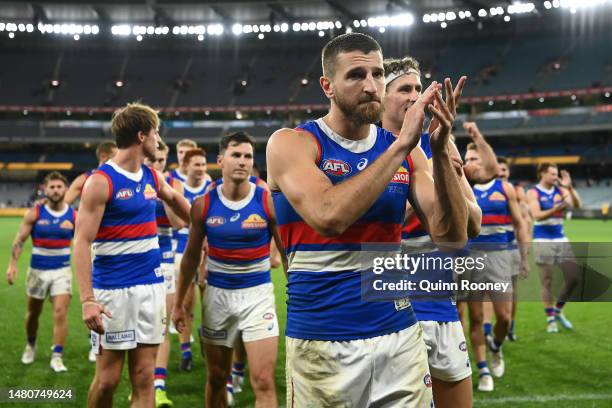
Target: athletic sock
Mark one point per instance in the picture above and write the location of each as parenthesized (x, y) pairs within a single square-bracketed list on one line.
[(58, 349), (32, 341), (496, 345), (229, 386), (488, 329), (511, 328), (482, 368), (238, 369), (559, 307), (550, 314), (186, 350), (160, 378)]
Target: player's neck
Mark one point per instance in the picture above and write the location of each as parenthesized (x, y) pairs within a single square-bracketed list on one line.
[(339, 123), (182, 169), (56, 206), (235, 191), (130, 159), (194, 182), (392, 126), (546, 186)]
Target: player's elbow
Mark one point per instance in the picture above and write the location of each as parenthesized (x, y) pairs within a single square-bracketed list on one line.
[(452, 237), (330, 225), (473, 230)]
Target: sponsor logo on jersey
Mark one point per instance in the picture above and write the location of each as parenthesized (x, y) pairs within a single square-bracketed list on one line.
[(463, 346), (401, 176), (362, 164), (149, 192), (254, 221), (121, 336), (67, 224), (235, 217), (336, 167), (557, 198), (124, 194), (497, 196), (268, 316), (215, 221), (427, 381), (213, 334)]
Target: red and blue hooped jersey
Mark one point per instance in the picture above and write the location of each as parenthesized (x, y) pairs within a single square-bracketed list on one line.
[(324, 288), (164, 230), (52, 234), (126, 249), (496, 219), (190, 193), (238, 239), (552, 227)]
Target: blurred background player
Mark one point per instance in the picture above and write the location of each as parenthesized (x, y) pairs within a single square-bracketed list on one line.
[(104, 152), (335, 181), (123, 297), (237, 217), (51, 226), (195, 184), (446, 346), (548, 201), (500, 209), (166, 220)]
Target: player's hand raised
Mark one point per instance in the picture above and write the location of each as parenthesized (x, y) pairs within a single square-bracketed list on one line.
[(565, 180), (433, 125), (92, 315), (410, 134), (444, 111), (472, 130)]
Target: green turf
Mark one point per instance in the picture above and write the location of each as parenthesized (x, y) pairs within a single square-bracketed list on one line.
[(570, 365)]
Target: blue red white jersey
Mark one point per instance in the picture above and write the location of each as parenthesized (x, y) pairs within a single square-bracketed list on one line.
[(190, 193), (238, 239), (176, 173), (552, 227), (164, 229), (252, 179), (126, 248), (416, 241), (496, 218), (324, 288), (52, 234)]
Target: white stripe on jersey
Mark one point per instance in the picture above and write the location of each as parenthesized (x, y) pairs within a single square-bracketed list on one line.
[(183, 231), (164, 231), (137, 246), (327, 261), (550, 221), (50, 251), (418, 245), (218, 266), (493, 229)]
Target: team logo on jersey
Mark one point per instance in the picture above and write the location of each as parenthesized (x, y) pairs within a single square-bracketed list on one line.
[(42, 222), (557, 198), (124, 194), (336, 167), (268, 316), (427, 381), (215, 221), (149, 192), (497, 196), (254, 221), (67, 224), (401, 176), (463, 346)]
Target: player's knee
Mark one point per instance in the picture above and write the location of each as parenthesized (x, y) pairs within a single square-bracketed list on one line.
[(262, 380), (217, 377), (142, 376), (106, 383)]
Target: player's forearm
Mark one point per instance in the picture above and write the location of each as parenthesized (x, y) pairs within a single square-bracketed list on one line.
[(474, 211), (175, 221), (16, 251), (180, 206), (450, 214), (189, 266), (342, 204), (575, 197), (488, 158), (82, 263)]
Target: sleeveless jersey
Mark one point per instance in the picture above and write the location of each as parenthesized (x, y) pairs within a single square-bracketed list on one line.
[(164, 230), (552, 227), (51, 236), (126, 249), (413, 230), (496, 219), (181, 236), (324, 288), (178, 175), (238, 239)]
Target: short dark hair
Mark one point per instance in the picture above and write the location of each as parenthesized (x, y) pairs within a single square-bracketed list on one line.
[(237, 138), (503, 160), (105, 148), (130, 120), (346, 43), (192, 153), (543, 167), (55, 175)]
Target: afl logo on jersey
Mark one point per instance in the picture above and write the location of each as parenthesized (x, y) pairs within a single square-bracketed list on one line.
[(401, 176), (336, 167), (149, 192), (42, 222), (215, 221), (427, 381), (124, 194), (463, 346)]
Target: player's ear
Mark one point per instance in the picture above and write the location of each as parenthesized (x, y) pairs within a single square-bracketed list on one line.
[(219, 159), (326, 85)]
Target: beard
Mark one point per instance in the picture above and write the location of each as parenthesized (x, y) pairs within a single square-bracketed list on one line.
[(360, 113), (55, 199)]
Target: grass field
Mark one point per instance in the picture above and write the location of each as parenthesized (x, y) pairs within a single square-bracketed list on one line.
[(569, 369)]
